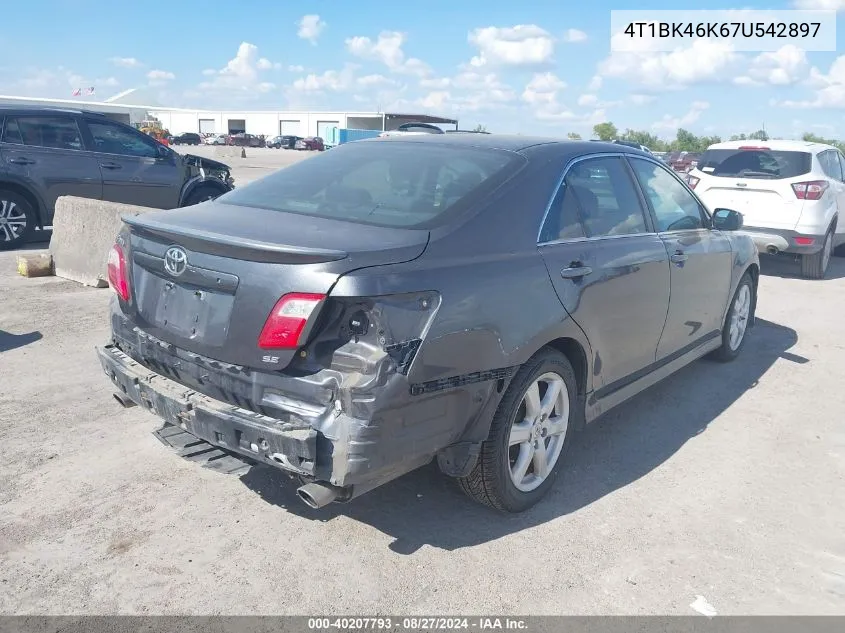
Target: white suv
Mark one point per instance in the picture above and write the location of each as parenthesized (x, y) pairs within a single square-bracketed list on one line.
[(790, 194)]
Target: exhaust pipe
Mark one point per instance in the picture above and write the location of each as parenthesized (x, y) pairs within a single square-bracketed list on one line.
[(124, 401), (771, 249), (318, 495)]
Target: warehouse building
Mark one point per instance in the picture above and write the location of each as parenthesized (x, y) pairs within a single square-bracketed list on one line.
[(268, 123)]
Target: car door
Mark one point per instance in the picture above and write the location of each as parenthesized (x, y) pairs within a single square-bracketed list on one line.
[(840, 224), (46, 154), (701, 259), (832, 168), (134, 169), (609, 268)]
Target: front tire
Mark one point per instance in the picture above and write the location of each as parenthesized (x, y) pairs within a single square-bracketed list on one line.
[(815, 266), (203, 193), (521, 457), (17, 220), (737, 321)]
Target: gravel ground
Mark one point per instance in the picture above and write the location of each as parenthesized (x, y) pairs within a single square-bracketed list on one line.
[(724, 481)]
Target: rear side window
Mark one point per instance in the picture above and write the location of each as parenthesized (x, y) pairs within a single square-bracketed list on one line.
[(829, 161), (381, 183), (755, 163), (597, 199), (55, 132)]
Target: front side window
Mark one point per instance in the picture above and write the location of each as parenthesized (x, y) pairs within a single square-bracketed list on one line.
[(385, 184), (110, 138), (675, 208), (57, 132), (597, 199)]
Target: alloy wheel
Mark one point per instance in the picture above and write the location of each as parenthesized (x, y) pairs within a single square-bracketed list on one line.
[(739, 317), (538, 432), (12, 221)]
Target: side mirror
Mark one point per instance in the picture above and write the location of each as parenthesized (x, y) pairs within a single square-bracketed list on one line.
[(727, 220)]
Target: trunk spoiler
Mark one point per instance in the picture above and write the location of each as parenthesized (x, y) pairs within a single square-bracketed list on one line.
[(231, 245)]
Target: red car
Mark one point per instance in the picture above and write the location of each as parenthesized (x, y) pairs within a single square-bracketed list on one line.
[(683, 161), (314, 143)]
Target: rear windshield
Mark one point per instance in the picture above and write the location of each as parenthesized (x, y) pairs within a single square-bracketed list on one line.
[(755, 163), (381, 183)]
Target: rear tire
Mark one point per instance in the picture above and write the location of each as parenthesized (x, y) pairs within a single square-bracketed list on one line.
[(17, 220), (512, 474), (202, 193), (735, 329), (815, 266)]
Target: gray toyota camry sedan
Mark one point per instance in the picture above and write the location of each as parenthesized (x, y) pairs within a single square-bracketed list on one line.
[(474, 299)]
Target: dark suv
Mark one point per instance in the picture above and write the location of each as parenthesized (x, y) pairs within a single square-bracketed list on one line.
[(46, 153), (188, 138)]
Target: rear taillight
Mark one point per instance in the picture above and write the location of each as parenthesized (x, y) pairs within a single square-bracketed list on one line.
[(287, 321), (692, 181), (811, 190), (804, 241), (118, 275)]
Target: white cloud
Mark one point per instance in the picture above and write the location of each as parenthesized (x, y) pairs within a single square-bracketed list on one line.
[(543, 88), (588, 100), (310, 27), (520, 45), (375, 80), (830, 88), (125, 62), (783, 67), (638, 99), (160, 75), (704, 60), (822, 5), (333, 80), (595, 83), (108, 82), (574, 36), (241, 73), (296, 68), (387, 49), (435, 82), (673, 123)]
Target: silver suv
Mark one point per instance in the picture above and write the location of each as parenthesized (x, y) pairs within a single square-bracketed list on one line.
[(46, 153)]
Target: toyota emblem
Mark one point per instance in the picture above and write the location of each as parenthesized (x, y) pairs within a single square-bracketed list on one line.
[(175, 260)]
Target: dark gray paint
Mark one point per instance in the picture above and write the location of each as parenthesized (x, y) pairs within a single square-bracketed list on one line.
[(43, 174), (633, 320)]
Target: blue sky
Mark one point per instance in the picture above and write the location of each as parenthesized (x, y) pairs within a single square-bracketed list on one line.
[(533, 66)]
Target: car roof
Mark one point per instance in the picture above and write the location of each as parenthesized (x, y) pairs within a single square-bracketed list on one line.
[(22, 109), (510, 142), (783, 145)]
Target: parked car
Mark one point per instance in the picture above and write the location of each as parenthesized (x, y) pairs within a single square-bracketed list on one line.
[(283, 142), (313, 143), (356, 352), (791, 193), (215, 139), (46, 153), (187, 138), (413, 129), (683, 161), (638, 146), (243, 139)]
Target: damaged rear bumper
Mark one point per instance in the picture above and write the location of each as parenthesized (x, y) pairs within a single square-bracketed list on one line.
[(256, 436)]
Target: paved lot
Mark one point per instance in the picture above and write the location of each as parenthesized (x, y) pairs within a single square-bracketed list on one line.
[(724, 481), (259, 161)]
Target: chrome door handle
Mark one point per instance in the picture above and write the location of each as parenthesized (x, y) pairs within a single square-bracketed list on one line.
[(21, 161), (678, 257), (575, 272), (109, 165)]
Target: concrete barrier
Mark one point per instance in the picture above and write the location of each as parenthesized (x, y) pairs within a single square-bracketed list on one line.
[(84, 231), (228, 151)]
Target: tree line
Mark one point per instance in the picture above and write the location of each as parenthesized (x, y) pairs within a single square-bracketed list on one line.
[(686, 141)]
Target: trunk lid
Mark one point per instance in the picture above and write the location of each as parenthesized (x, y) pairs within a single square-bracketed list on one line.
[(232, 265), (763, 203)]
